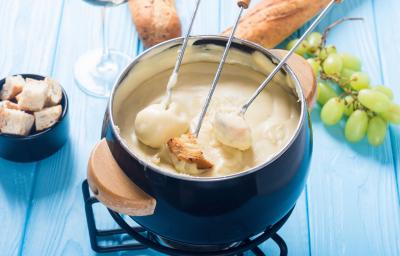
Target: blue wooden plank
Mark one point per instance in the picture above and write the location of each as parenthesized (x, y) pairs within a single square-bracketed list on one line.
[(207, 19), (76, 245), (57, 224), (28, 34), (353, 202), (353, 195), (61, 191), (387, 35)]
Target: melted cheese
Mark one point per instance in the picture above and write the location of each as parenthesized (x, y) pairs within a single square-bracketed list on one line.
[(273, 117)]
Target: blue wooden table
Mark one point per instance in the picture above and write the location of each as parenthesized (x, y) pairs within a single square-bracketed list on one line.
[(350, 205)]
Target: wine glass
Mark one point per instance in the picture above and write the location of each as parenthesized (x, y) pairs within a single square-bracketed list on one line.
[(97, 70)]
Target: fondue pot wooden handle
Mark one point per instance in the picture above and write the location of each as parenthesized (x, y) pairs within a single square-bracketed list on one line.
[(113, 188), (304, 73), (244, 3)]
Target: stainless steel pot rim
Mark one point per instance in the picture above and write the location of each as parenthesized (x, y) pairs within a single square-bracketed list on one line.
[(177, 41)]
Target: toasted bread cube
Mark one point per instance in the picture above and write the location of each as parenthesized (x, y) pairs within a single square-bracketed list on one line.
[(12, 87), (47, 117), (186, 155), (54, 95), (15, 122), (34, 95), (10, 105)]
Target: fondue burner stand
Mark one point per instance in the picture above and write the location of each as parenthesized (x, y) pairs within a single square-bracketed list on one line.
[(116, 240)]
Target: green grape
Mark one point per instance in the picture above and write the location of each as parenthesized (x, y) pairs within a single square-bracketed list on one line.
[(331, 49), (359, 81), (324, 53), (385, 90), (314, 41), (392, 115), (374, 100), (346, 75), (348, 105), (325, 93), (332, 111), (316, 67), (377, 128), (356, 126), (333, 64), (301, 50), (291, 44), (351, 62)]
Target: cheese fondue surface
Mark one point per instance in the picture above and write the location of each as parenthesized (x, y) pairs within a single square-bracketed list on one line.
[(273, 117)]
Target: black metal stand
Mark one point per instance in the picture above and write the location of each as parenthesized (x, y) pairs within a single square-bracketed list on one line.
[(95, 234), (143, 239)]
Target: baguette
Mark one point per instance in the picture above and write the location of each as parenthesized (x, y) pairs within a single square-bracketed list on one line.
[(155, 20), (272, 21)]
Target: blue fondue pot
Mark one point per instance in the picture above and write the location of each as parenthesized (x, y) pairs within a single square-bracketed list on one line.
[(223, 210)]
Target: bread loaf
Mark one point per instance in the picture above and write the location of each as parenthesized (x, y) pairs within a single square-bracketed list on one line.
[(271, 21), (155, 20)]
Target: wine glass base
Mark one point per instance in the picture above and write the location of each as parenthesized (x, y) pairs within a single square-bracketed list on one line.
[(96, 74)]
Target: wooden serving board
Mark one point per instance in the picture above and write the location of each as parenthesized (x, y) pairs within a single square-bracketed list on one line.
[(115, 190)]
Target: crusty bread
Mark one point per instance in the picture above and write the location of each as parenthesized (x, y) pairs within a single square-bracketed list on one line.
[(272, 21), (15, 122), (12, 87), (155, 20), (34, 96), (47, 117), (54, 95), (185, 152)]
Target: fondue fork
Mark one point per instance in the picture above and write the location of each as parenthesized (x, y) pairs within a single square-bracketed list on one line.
[(231, 129), (174, 76), (264, 84), (243, 4)]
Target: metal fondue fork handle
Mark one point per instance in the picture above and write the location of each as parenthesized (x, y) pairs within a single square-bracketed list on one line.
[(288, 55), (186, 40), (244, 4), (181, 52)]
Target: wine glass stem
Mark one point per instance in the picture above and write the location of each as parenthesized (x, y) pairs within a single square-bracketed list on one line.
[(104, 33)]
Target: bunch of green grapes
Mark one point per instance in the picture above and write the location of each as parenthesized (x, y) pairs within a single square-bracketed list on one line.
[(344, 91)]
